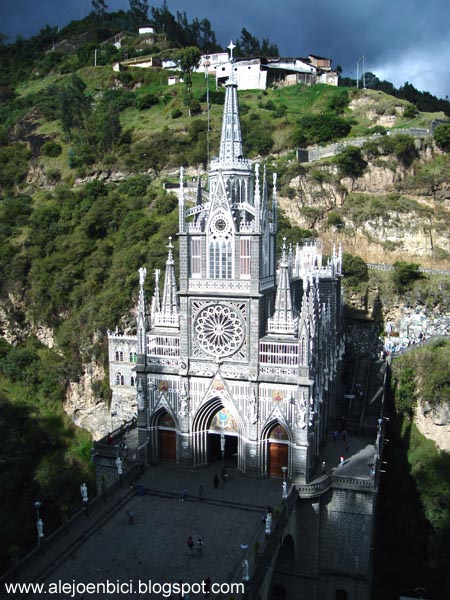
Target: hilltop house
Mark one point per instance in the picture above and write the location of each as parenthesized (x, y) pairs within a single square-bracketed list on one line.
[(259, 73)]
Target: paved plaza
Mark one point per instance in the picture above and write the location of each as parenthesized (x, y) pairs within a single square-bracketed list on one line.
[(154, 546)]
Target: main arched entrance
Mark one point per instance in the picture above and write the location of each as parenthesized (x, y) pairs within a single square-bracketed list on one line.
[(277, 451), (223, 439), (167, 437), (216, 435)]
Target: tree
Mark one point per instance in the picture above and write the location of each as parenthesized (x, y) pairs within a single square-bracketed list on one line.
[(188, 59), (442, 136), (405, 274), (74, 105), (13, 164), (350, 162), (268, 49), (99, 6), (139, 10), (354, 269), (404, 148)]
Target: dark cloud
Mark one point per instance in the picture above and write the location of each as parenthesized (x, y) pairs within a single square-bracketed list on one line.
[(402, 40)]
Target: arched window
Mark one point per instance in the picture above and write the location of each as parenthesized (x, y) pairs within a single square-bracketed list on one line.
[(220, 248), (118, 376), (131, 357), (121, 355), (132, 381), (122, 380), (135, 357), (117, 355)]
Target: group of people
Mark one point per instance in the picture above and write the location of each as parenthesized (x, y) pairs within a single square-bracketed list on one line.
[(198, 546), (201, 488)]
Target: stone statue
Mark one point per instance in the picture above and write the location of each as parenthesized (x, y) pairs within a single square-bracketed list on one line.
[(140, 396), (245, 575), (301, 412), (119, 465), (40, 528), (268, 524), (184, 407), (84, 493), (142, 275)]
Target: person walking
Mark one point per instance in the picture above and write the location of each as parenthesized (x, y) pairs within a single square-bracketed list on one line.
[(216, 481), (201, 492), (190, 544), (183, 495)]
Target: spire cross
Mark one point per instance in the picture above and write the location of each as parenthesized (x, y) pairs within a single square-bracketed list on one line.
[(231, 47)]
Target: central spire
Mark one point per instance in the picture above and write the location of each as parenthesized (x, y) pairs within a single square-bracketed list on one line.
[(231, 149)]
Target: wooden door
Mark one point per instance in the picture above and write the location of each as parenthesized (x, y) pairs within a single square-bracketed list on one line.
[(278, 457), (167, 445)]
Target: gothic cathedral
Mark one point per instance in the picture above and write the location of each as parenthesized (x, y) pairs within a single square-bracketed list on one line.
[(237, 363)]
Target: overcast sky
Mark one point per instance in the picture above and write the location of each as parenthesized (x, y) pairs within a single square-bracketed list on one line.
[(402, 40)]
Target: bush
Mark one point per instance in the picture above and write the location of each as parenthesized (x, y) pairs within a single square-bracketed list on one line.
[(354, 269), (13, 164), (257, 135), (165, 204), (53, 175), (404, 149), (410, 112), (195, 108), (146, 101), (350, 162), (371, 149), (334, 219), (176, 113), (442, 137), (51, 148), (405, 274), (378, 129), (320, 129)]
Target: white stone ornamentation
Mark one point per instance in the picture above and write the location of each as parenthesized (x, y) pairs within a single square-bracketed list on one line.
[(219, 330)]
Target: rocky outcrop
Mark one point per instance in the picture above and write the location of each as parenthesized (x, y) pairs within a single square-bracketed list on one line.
[(413, 229), (434, 423), (83, 405)]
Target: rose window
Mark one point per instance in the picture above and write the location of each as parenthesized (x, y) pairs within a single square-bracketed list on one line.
[(220, 330)]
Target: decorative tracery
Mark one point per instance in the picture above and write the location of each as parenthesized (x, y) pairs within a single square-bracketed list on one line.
[(219, 330)]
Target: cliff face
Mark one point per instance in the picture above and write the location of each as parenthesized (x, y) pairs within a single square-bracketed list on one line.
[(83, 405), (390, 213)]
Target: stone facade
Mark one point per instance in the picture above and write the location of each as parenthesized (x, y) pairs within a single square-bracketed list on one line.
[(237, 361)]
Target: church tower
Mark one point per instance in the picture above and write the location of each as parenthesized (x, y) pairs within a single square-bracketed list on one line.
[(240, 360)]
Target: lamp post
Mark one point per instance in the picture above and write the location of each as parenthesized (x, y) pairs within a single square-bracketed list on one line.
[(284, 484), (39, 523)]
